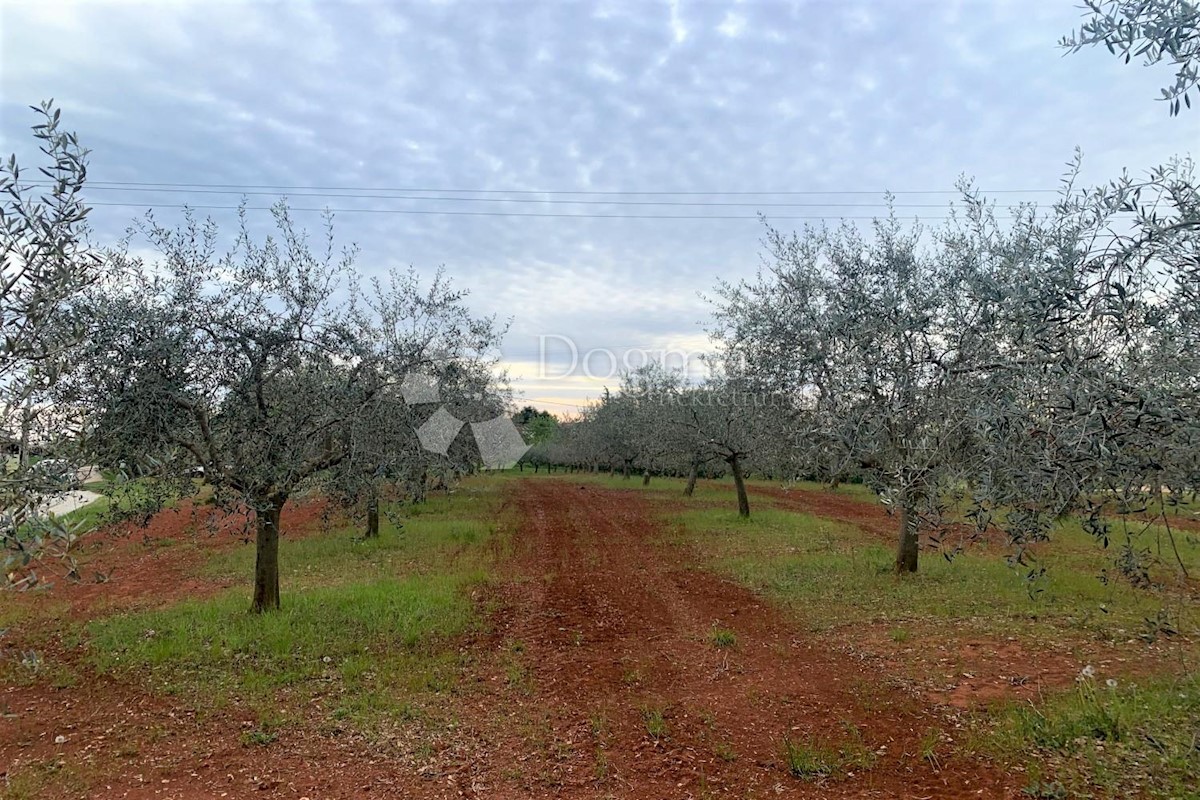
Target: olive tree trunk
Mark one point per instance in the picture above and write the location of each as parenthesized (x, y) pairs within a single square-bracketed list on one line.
[(735, 466), (906, 551), (693, 473), (418, 486), (266, 554), (373, 517)]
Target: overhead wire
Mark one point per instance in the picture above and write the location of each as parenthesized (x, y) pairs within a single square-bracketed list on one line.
[(431, 198), (550, 197), (548, 215), (607, 192)]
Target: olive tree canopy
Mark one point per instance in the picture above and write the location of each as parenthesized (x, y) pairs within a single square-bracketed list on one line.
[(45, 262), (261, 368), (1152, 30)]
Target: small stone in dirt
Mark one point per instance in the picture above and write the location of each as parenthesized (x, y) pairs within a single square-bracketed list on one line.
[(60, 739)]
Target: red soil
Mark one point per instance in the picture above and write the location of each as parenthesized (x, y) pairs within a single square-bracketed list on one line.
[(874, 518), (598, 626), (612, 624), (129, 565)]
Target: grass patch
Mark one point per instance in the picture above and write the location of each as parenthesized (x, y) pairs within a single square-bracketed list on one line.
[(808, 761), (218, 644), (368, 625), (259, 737), (929, 746), (725, 752), (719, 489), (814, 760), (654, 718), (516, 673), (1124, 740), (88, 518), (447, 531), (37, 779), (833, 574), (723, 638)]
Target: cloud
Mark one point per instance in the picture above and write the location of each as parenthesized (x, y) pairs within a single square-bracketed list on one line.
[(732, 26), (604, 72), (681, 97), (679, 31)]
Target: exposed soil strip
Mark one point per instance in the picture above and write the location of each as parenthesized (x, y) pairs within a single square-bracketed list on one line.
[(615, 631)]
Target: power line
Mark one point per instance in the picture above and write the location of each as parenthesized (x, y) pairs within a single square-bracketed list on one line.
[(551, 402), (606, 192), (434, 212), (544, 201)]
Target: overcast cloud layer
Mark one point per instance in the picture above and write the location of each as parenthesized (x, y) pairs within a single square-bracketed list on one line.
[(629, 97)]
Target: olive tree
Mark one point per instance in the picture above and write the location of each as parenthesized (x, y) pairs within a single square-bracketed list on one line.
[(729, 419), (426, 333), (618, 440), (45, 262), (1023, 370), (1152, 30), (1094, 410), (643, 411), (244, 364), (861, 333)]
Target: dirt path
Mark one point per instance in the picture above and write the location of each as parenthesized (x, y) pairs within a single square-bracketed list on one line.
[(604, 630)]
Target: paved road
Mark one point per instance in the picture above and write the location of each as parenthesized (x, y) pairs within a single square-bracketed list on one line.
[(71, 501)]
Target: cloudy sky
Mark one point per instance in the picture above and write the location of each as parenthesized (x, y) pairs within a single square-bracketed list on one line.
[(586, 169)]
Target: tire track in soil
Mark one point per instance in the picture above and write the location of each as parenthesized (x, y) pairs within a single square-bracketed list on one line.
[(610, 623)]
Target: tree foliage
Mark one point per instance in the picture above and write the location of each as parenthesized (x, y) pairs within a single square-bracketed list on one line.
[(1153, 30), (46, 262), (255, 367), (1023, 370)]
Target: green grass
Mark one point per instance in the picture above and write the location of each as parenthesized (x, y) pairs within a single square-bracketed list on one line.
[(217, 643), (654, 718), (833, 574), (1125, 740), (445, 530), (808, 761), (37, 779), (722, 638), (369, 626), (88, 518), (718, 489), (813, 760)]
